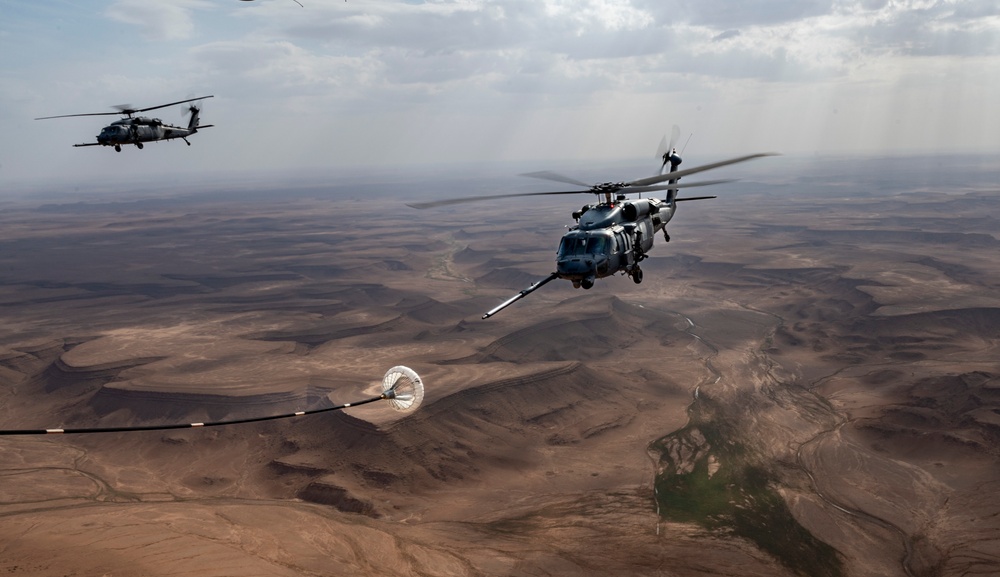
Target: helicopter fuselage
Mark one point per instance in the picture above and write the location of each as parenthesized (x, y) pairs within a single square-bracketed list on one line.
[(609, 238), (140, 129)]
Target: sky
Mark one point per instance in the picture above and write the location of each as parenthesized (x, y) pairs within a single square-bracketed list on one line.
[(390, 84)]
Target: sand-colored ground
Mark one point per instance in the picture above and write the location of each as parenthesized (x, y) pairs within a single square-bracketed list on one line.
[(838, 337)]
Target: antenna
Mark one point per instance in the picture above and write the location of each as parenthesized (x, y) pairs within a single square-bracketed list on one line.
[(683, 148)]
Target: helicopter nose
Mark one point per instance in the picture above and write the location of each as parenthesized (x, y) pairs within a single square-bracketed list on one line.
[(575, 267)]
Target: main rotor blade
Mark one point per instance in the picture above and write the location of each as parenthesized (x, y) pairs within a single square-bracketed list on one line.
[(88, 114), (549, 175), (629, 190), (123, 109), (464, 199), (173, 103), (697, 169), (635, 189)]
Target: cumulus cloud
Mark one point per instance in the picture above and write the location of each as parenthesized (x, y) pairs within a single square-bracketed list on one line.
[(790, 40), (157, 20), (562, 54), (931, 29), (276, 68), (727, 14)]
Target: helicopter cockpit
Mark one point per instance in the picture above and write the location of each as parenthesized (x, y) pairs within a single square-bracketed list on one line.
[(581, 244), (111, 133), (583, 256)]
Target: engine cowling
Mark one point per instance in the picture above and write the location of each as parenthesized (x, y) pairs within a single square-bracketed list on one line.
[(641, 208)]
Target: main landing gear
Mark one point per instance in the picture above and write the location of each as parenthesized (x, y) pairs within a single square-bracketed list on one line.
[(118, 148), (638, 255)]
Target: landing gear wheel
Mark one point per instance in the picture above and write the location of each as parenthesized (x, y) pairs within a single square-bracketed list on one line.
[(138, 145), (666, 236), (118, 148), (637, 275)]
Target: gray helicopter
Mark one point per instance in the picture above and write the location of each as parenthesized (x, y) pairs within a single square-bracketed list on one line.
[(615, 234), (139, 129)]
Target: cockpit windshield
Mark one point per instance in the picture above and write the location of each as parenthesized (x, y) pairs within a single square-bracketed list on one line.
[(572, 246), (581, 245), (597, 245)]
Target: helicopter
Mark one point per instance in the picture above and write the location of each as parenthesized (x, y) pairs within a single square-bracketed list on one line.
[(615, 234), (139, 129)]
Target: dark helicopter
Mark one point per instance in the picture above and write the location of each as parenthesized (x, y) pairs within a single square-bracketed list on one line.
[(612, 235), (139, 129)]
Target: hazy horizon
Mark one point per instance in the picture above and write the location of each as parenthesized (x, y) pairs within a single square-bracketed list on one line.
[(442, 180)]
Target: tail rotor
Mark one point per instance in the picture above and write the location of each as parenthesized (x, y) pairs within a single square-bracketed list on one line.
[(194, 109), (667, 151)]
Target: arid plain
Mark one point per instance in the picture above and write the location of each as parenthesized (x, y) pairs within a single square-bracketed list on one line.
[(806, 382)]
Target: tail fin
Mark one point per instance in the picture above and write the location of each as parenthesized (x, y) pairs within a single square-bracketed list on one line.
[(674, 160), (193, 123)]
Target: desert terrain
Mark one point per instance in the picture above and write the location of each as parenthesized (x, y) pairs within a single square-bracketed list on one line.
[(806, 382)]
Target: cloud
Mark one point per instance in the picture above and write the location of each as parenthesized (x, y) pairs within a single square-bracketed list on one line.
[(355, 82), (931, 29), (725, 35), (445, 42), (277, 69), (555, 54), (724, 14), (157, 20)]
